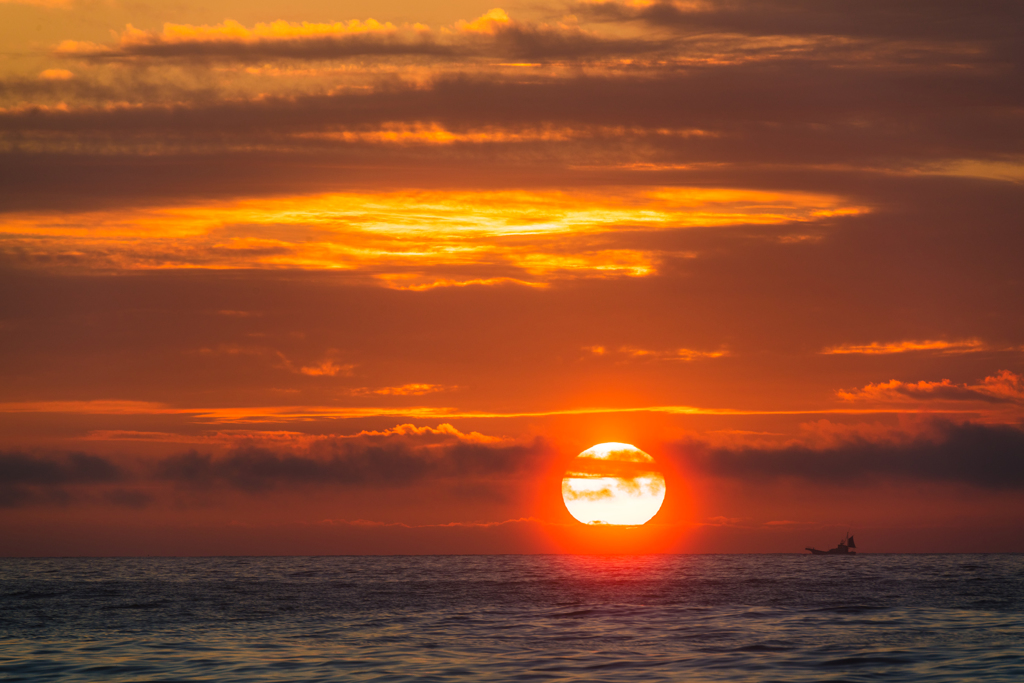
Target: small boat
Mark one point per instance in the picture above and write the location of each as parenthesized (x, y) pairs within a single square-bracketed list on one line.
[(845, 547)]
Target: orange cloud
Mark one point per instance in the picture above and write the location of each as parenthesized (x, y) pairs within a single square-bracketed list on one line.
[(96, 407), (1003, 387), (326, 369), (433, 133), (264, 437), (404, 390), (411, 239), (230, 31), (680, 354), (488, 23), (443, 429), (877, 348), (674, 354), (490, 35)]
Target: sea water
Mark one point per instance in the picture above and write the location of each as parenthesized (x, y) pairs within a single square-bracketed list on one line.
[(515, 618)]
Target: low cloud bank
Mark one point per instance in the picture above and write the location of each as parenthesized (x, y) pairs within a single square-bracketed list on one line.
[(260, 469), (28, 479), (987, 456), (63, 479)]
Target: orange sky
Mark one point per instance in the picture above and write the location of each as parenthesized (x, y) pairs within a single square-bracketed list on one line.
[(309, 278)]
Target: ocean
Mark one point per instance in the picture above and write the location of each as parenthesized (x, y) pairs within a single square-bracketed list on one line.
[(514, 618)]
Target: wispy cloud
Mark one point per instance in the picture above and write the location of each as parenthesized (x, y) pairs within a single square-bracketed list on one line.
[(411, 239), (309, 413), (883, 348), (986, 456), (326, 369), (404, 390), (671, 354), (1003, 387), (267, 438), (493, 34)]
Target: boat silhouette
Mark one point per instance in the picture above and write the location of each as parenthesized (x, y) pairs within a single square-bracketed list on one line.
[(845, 547)]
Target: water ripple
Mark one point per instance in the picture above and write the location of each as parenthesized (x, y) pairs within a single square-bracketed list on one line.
[(514, 618)]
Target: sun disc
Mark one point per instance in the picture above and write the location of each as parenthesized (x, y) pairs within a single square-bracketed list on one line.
[(613, 483)]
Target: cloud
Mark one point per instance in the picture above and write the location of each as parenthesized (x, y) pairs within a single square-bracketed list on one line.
[(1003, 387), (810, 97), (442, 430), (673, 354), (493, 34), (678, 354), (914, 19), (326, 369), (885, 348), (401, 456), (281, 439), (28, 479), (342, 463), (713, 101), (986, 456), (306, 413), (411, 239), (71, 468), (94, 407), (404, 390)]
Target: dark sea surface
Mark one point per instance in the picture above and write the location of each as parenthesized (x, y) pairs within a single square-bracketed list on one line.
[(514, 618)]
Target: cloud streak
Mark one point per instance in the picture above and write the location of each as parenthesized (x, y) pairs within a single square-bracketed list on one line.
[(242, 415), (886, 348), (411, 239), (493, 34), (1003, 387)]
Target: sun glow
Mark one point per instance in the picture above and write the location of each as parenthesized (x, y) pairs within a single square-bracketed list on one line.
[(613, 483)]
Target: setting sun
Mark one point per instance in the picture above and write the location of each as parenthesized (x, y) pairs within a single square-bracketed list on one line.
[(613, 483)]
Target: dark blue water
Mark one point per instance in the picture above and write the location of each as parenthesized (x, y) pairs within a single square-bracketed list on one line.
[(513, 618)]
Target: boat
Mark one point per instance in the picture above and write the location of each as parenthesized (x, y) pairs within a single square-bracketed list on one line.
[(845, 547)]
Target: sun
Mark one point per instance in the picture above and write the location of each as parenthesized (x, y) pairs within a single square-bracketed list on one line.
[(613, 483)]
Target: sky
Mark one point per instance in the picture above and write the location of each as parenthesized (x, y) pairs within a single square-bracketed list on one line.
[(328, 278)]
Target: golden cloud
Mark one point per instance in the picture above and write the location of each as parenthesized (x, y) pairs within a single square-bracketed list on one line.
[(412, 239), (404, 390), (878, 348), (1003, 387), (681, 354)]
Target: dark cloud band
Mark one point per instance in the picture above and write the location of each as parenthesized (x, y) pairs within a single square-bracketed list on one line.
[(40, 479), (988, 456)]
